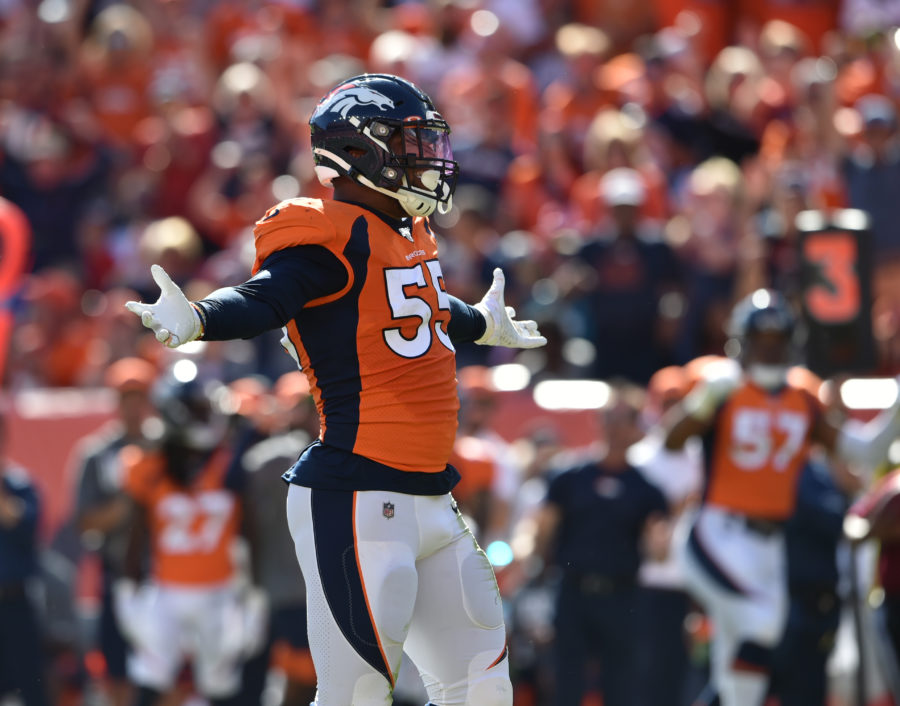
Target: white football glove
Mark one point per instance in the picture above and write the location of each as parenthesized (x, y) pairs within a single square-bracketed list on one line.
[(502, 329), (256, 620), (172, 318), (132, 606), (719, 380)]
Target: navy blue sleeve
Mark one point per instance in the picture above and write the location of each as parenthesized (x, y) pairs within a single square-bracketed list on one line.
[(557, 488), (466, 322), (656, 501), (287, 280)]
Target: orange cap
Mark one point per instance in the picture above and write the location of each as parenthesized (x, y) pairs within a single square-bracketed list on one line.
[(291, 387), (130, 375), (248, 393), (474, 379)]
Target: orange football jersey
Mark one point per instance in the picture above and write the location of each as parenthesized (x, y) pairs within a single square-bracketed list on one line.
[(757, 449), (377, 355), (192, 528)]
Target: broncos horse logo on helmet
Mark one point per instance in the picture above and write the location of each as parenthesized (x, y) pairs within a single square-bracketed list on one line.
[(385, 133), (349, 98)]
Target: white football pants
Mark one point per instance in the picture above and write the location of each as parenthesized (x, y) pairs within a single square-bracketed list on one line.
[(385, 572), (739, 576)]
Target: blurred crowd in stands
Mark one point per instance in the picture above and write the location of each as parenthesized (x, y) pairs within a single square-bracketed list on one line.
[(634, 167)]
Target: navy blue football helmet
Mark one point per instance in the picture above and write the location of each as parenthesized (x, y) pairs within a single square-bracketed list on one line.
[(764, 310), (385, 133), (194, 412), (763, 326)]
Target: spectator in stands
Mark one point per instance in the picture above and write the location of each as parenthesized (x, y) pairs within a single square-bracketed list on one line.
[(732, 86), (706, 238), (870, 170), (628, 269), (101, 506), (21, 652)]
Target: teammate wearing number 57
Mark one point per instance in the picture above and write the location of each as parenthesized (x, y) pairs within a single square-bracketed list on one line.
[(356, 284), (758, 419)]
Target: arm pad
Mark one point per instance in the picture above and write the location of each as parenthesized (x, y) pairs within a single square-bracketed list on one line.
[(868, 444)]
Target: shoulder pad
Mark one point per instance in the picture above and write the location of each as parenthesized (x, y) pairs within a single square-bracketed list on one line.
[(712, 368), (805, 380), (293, 222)]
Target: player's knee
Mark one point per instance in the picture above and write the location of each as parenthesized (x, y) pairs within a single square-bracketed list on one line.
[(764, 626), (394, 603), (481, 597), (492, 687)]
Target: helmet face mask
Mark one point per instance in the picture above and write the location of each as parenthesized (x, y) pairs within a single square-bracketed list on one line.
[(384, 133)]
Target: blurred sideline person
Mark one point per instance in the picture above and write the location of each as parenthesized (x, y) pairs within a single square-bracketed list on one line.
[(490, 476), (664, 602), (286, 647), (22, 659), (757, 420), (812, 536), (101, 506), (356, 284), (876, 516), (598, 519), (186, 510)]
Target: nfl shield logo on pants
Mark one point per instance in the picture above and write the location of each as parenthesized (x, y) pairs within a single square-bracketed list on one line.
[(388, 510)]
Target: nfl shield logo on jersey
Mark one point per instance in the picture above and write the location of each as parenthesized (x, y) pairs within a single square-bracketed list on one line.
[(388, 510)]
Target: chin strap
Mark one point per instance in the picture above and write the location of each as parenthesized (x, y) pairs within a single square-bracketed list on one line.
[(768, 377), (414, 203)]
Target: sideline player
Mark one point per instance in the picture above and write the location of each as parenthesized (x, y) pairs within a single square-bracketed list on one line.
[(357, 286), (757, 423), (187, 510)]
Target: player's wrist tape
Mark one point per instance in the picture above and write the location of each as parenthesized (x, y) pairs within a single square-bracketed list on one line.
[(201, 318), (489, 325)]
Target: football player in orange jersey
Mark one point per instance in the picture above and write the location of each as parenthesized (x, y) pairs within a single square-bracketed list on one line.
[(186, 517), (356, 285), (757, 421)]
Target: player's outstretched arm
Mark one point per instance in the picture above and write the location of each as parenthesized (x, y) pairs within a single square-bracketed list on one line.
[(866, 444), (173, 319), (501, 327), (694, 415)]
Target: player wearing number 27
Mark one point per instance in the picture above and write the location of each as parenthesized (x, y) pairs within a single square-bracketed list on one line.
[(757, 420), (356, 285)]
